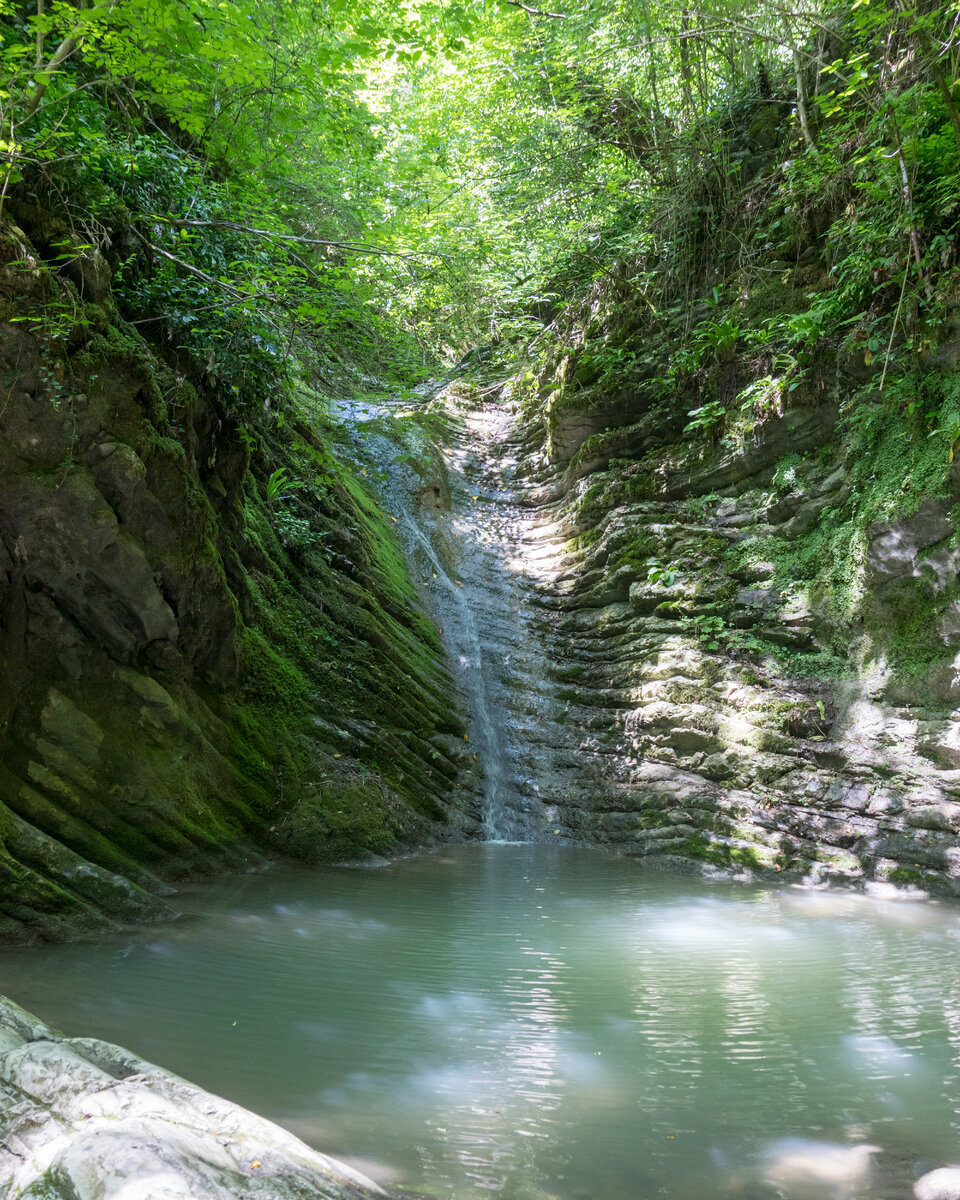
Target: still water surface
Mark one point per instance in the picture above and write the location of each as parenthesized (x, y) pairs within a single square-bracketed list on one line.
[(548, 1022)]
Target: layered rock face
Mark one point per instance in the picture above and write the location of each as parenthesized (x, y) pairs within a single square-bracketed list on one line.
[(710, 703), (193, 674), (657, 677), (83, 1119)]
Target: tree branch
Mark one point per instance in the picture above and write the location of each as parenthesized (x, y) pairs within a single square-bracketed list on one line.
[(217, 283), (536, 12), (270, 234)]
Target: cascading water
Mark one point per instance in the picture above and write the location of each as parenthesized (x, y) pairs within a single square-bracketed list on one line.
[(462, 636), (463, 534)]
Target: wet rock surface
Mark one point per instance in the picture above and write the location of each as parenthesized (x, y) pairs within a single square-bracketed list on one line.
[(669, 715), (941, 1184), (85, 1120)]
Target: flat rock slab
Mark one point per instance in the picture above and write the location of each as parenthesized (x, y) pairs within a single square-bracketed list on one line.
[(81, 1119)]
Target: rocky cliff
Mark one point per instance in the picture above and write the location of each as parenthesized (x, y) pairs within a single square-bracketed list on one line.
[(210, 647), (754, 626)]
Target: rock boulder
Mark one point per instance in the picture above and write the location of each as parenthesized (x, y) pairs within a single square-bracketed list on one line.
[(81, 1119)]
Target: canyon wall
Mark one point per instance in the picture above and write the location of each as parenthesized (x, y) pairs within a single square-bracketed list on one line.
[(199, 668)]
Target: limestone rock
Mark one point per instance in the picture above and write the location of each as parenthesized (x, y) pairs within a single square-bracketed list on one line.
[(940, 741), (942, 817), (91, 274), (759, 598), (806, 1168), (942, 1184), (894, 549), (696, 727), (85, 1120), (97, 575)]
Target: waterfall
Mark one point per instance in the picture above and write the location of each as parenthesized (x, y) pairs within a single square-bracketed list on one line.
[(461, 634), (460, 538)]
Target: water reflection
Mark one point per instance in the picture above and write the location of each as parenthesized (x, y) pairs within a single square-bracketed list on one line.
[(547, 1023)]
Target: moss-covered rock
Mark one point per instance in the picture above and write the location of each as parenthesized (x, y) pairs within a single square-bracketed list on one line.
[(197, 674), (787, 701)]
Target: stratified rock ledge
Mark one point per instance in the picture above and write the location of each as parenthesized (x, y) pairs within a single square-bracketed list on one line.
[(81, 1119)]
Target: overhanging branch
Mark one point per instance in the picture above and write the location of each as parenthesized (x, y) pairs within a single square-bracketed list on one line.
[(272, 235)]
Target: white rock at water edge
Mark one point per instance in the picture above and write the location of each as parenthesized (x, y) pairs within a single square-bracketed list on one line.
[(942, 1184), (81, 1119)]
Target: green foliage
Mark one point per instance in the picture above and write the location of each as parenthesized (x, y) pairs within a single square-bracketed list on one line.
[(721, 335), (296, 533), (948, 428), (658, 574), (707, 417), (320, 185), (761, 398), (710, 629), (279, 485), (808, 327)]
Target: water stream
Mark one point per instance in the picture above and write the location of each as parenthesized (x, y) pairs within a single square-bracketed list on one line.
[(549, 1023), (476, 554)]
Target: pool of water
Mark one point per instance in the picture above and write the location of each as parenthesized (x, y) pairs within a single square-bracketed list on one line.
[(547, 1022)]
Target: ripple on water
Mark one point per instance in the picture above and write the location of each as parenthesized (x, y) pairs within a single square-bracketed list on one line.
[(544, 1022)]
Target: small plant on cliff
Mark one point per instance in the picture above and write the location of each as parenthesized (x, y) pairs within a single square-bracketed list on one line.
[(660, 575), (296, 533), (710, 630), (761, 398), (280, 485), (722, 336), (949, 430), (707, 417), (808, 327)]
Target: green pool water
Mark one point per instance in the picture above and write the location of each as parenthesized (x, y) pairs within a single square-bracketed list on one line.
[(545, 1022)]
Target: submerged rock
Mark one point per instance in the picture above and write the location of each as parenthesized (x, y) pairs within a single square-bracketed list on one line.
[(942, 1184), (802, 1167), (82, 1119)]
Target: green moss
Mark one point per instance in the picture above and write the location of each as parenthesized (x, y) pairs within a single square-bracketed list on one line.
[(643, 546), (112, 346), (814, 664), (704, 849), (569, 673), (893, 466), (252, 745), (914, 642), (612, 489), (905, 877), (170, 447), (340, 818), (269, 676), (586, 538)]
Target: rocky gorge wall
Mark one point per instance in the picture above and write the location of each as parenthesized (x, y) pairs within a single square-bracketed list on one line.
[(718, 698), (666, 670), (194, 674)]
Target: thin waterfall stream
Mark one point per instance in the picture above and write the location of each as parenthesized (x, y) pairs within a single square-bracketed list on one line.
[(467, 536)]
